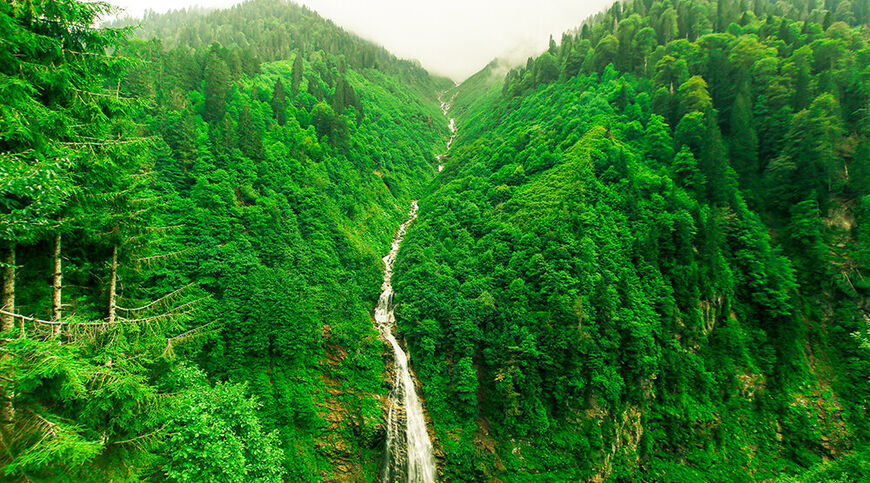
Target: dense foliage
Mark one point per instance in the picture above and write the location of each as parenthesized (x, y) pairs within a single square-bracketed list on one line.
[(216, 212), (645, 258), (271, 30), (646, 254)]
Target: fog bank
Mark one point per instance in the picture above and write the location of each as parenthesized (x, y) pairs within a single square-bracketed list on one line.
[(455, 38)]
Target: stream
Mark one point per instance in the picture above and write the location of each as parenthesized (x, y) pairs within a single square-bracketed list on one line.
[(445, 108), (408, 445)]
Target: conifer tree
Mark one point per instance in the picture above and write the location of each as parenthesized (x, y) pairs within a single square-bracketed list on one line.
[(71, 163), (250, 138), (218, 80), (809, 160), (744, 154), (659, 144), (279, 98), (296, 74)]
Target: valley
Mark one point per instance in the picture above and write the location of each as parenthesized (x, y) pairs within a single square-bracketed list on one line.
[(249, 245)]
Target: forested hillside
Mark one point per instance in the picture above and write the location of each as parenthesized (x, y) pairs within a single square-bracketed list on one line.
[(270, 30), (191, 233), (646, 257)]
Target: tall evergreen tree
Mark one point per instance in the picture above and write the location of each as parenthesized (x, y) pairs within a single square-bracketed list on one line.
[(296, 74), (278, 102), (250, 138), (218, 81)]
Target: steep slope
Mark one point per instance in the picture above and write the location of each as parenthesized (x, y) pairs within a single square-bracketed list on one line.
[(644, 256), (269, 191), (290, 230), (271, 30), (644, 259)]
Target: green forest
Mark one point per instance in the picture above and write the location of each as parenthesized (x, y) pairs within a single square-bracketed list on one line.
[(646, 257)]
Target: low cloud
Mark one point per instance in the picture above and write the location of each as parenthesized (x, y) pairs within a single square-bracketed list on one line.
[(455, 38)]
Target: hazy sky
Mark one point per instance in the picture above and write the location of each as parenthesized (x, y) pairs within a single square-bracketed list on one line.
[(450, 37)]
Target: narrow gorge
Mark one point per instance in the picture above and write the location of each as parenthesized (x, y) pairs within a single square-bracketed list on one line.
[(445, 109), (407, 447)]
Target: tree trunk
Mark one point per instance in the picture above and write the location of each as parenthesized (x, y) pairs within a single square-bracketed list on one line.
[(7, 321), (56, 287), (113, 284)]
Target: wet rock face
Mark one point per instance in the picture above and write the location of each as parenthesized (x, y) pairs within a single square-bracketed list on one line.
[(354, 430)]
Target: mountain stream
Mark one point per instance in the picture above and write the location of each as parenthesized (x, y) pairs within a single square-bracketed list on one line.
[(408, 445)]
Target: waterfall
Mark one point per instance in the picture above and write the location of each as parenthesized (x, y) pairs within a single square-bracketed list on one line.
[(410, 448), (445, 108)]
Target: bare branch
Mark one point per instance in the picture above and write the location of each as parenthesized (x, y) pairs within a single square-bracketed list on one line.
[(106, 143), (164, 228), (156, 302), (156, 258), (185, 335), (135, 440), (29, 319), (99, 94), (178, 311)]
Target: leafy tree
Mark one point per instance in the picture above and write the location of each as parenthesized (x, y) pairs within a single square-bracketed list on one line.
[(215, 434), (547, 69), (809, 159), (606, 52)]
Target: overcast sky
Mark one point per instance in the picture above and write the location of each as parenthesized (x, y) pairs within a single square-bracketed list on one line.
[(450, 37)]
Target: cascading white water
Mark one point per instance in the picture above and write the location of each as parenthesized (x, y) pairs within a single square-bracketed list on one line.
[(445, 107), (410, 448)]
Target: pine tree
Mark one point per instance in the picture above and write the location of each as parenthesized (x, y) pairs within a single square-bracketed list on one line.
[(694, 96), (659, 144), (744, 153), (809, 159), (250, 138), (278, 101), (70, 164), (798, 69), (805, 235), (217, 83), (338, 97), (686, 172), (296, 74)]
